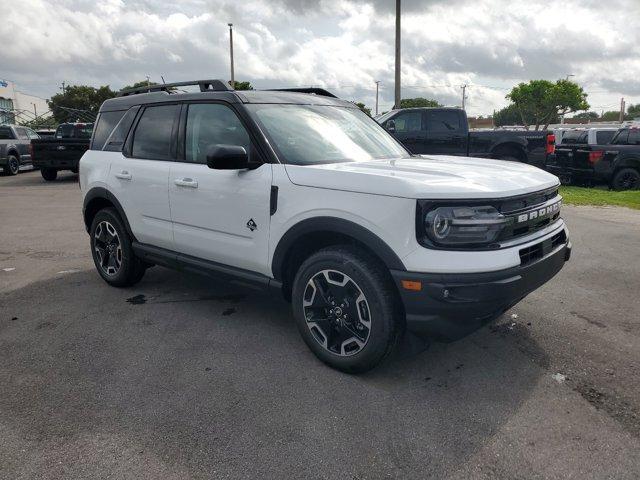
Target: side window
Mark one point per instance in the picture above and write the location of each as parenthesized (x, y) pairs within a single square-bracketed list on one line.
[(116, 140), (621, 137), (6, 133), (32, 134), (410, 121), (22, 133), (153, 135), (604, 137), (443, 122), (634, 136), (210, 124), (104, 126)]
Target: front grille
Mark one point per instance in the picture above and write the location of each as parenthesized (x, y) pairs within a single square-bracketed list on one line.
[(524, 206), (535, 252)]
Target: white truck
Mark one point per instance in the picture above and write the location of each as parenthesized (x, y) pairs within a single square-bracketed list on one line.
[(303, 193)]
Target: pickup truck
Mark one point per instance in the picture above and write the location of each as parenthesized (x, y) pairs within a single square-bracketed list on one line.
[(63, 151), (445, 131), (14, 148), (616, 163)]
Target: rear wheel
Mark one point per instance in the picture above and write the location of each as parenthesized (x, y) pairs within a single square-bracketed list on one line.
[(13, 165), (49, 174), (626, 179), (112, 251), (345, 308)]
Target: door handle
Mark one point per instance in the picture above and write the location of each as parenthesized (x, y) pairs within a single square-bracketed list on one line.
[(123, 175), (186, 182)]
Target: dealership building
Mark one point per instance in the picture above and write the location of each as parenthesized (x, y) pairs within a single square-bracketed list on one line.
[(17, 105)]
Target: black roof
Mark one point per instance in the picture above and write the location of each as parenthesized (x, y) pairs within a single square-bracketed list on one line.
[(230, 96)]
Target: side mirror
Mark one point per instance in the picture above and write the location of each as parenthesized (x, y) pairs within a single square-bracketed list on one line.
[(391, 126), (227, 157)]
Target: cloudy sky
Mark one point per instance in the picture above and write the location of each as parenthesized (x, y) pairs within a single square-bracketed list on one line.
[(344, 46)]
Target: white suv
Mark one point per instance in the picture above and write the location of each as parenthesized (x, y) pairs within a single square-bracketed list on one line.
[(304, 193)]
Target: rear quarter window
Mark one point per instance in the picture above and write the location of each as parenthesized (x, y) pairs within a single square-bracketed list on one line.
[(605, 137), (104, 126), (574, 136), (6, 133)]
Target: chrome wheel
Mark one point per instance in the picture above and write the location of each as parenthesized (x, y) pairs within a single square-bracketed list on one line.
[(337, 312), (107, 247)]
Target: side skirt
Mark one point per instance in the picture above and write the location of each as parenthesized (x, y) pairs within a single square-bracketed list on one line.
[(187, 263)]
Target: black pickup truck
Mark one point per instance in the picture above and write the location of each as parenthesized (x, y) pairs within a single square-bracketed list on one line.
[(445, 131), (616, 163), (63, 151)]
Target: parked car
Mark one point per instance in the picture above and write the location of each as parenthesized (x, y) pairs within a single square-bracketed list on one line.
[(308, 196), (588, 136), (616, 163), (14, 148), (445, 131), (63, 151)]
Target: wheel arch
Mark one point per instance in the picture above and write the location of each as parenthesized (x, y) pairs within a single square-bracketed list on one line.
[(511, 146), (312, 234), (98, 198), (631, 161)]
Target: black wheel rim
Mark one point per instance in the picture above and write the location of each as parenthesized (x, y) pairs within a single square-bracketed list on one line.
[(337, 312), (14, 165), (108, 249), (629, 181)]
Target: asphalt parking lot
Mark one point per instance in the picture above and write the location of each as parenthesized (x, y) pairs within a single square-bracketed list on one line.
[(181, 377)]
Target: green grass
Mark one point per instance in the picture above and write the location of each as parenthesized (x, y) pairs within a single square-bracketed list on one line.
[(600, 197)]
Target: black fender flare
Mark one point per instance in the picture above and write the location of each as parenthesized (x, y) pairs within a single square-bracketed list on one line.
[(101, 193), (338, 226), (625, 161), (519, 145)]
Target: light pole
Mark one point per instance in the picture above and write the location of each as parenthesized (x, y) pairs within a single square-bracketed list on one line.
[(397, 92), (233, 81), (377, 89), (569, 75)]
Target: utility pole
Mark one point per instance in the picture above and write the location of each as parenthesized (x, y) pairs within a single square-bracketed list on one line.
[(148, 84), (377, 89), (63, 88), (464, 96), (233, 80), (397, 93), (622, 108)]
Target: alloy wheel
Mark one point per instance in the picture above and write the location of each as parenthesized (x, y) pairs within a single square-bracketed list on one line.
[(14, 165), (337, 312), (108, 248)]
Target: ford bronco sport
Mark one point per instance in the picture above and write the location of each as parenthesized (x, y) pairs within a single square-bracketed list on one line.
[(305, 194)]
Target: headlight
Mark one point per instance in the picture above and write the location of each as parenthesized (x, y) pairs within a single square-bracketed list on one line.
[(461, 225)]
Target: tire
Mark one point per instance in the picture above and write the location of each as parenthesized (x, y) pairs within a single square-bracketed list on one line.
[(626, 179), (49, 174), (346, 308), (13, 165), (112, 252)]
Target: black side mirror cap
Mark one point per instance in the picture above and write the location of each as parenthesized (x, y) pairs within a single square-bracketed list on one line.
[(228, 157)]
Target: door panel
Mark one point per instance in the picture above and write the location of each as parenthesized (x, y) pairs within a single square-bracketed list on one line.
[(211, 211), (219, 215), (446, 133)]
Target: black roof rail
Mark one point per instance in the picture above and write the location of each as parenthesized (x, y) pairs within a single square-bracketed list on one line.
[(205, 86), (312, 90)]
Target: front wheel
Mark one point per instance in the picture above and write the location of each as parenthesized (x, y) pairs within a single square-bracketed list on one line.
[(346, 309), (49, 174), (13, 165), (112, 251), (626, 179)]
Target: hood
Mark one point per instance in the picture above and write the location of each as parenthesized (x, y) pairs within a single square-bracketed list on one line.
[(429, 177)]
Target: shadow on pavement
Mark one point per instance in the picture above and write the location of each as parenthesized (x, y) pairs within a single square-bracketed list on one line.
[(183, 377)]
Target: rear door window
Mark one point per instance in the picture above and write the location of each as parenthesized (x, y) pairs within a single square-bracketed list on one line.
[(604, 137), (153, 136), (572, 137), (621, 137), (634, 136), (443, 122), (22, 133)]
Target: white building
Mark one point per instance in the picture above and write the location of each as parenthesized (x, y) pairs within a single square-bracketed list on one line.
[(14, 103)]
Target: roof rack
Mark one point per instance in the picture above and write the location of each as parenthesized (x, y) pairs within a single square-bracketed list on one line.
[(205, 86), (312, 90)]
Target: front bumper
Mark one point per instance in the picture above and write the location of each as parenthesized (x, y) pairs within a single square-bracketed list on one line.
[(450, 306)]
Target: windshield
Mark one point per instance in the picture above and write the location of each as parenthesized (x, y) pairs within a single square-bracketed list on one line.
[(312, 134)]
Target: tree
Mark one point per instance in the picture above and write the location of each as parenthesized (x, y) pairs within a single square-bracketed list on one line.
[(79, 102), (418, 102), (633, 111), (510, 115), (587, 116), (143, 83), (363, 107), (610, 116), (542, 100), (243, 86)]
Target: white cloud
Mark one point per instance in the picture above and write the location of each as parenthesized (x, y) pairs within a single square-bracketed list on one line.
[(343, 45)]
